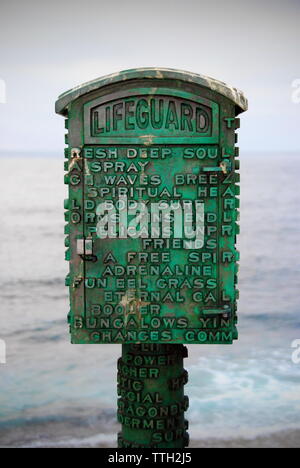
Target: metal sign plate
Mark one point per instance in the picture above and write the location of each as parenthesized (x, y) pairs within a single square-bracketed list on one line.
[(152, 214)]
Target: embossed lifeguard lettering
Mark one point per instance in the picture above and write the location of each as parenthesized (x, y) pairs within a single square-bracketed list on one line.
[(151, 114)]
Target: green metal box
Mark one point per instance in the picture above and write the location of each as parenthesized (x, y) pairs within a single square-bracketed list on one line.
[(152, 212)]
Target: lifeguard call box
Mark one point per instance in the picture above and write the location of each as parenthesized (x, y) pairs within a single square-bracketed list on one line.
[(152, 212)]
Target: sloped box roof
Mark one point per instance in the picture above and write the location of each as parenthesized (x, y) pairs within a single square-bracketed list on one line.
[(233, 94)]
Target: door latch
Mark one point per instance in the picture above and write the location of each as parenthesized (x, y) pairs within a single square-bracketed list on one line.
[(85, 249)]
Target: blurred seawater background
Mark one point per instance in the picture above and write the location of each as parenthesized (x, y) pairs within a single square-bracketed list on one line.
[(52, 393)]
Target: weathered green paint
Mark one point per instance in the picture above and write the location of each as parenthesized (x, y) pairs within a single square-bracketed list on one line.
[(160, 134), (154, 134), (151, 401)]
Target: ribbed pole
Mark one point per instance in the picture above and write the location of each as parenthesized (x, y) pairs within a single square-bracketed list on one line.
[(151, 402)]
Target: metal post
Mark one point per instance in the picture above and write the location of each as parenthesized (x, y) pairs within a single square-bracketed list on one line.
[(151, 402)]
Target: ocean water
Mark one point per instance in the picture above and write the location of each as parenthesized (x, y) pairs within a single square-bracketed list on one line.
[(52, 393)]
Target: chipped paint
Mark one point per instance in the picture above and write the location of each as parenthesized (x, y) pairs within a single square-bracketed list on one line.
[(147, 139), (131, 306)]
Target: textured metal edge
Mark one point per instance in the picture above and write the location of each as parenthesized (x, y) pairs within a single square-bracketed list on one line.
[(231, 93)]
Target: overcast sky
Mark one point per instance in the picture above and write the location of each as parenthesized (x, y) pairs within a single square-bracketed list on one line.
[(47, 47)]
